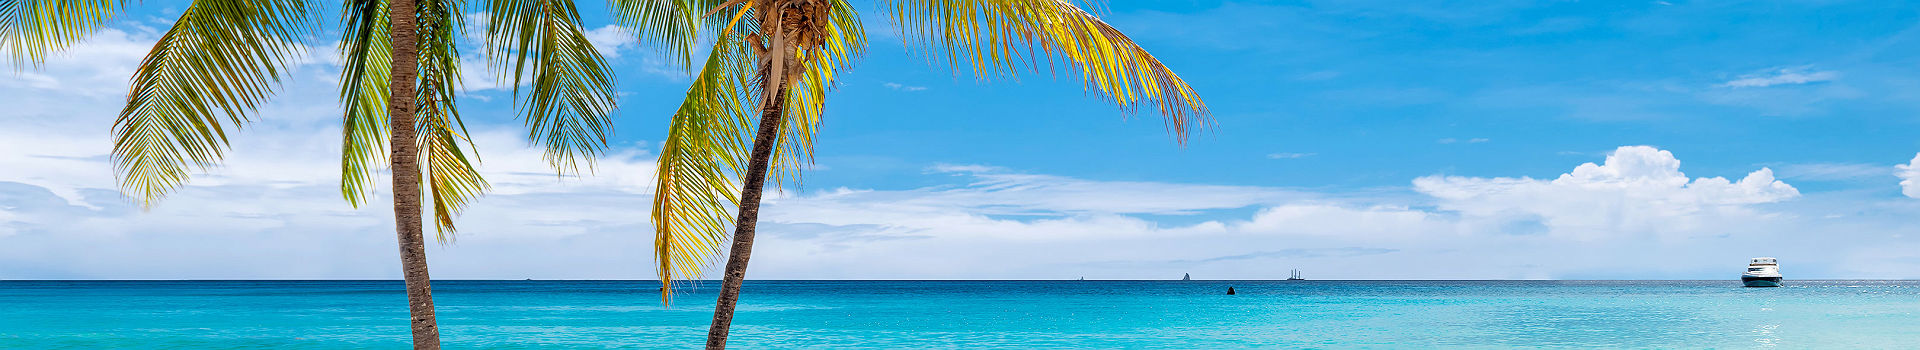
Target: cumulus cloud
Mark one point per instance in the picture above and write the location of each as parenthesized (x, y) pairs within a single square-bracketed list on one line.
[(1782, 76), (1910, 177), (1640, 183)]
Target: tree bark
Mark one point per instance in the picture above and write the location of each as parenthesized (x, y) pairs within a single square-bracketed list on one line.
[(772, 114), (406, 172)]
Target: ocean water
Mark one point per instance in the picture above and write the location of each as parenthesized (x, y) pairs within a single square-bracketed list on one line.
[(970, 314)]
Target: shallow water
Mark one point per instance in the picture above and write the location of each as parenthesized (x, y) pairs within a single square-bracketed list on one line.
[(970, 314)]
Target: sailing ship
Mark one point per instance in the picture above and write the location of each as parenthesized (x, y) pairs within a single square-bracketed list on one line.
[(1295, 276)]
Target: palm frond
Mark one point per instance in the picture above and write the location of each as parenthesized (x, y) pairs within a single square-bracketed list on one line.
[(998, 36), (571, 94), (210, 71), (844, 41), (366, 54), (673, 26), (705, 151), (669, 25), (32, 29), (452, 179)]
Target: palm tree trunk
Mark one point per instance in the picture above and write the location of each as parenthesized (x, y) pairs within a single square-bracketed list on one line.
[(406, 173), (772, 114)]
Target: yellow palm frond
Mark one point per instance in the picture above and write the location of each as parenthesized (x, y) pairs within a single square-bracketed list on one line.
[(571, 94), (845, 41), (452, 179), (998, 36), (31, 29), (208, 72), (705, 150)]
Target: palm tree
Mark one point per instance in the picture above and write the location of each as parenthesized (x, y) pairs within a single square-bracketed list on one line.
[(778, 58), (222, 58)]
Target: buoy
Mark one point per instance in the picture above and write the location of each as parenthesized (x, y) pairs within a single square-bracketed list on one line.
[(1229, 290)]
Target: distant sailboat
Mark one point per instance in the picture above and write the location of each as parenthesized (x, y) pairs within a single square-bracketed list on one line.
[(1295, 276), (1186, 277)]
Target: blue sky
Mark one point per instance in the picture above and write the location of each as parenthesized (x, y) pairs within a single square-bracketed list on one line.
[(1351, 139)]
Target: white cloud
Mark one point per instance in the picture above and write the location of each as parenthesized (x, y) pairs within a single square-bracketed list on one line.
[(273, 211), (1638, 189), (276, 214), (611, 39), (101, 67), (1782, 76), (1289, 155), (1910, 177), (900, 87)]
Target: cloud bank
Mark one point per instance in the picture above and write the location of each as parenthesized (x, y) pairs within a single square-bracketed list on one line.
[(1637, 189), (273, 211)]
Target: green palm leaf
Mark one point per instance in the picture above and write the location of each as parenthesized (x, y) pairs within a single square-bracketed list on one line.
[(667, 24), (451, 177), (208, 72), (571, 97), (367, 57), (30, 29), (452, 180)]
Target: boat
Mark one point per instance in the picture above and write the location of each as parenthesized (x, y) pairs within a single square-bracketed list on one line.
[(1186, 277), (1762, 272), (1295, 276)]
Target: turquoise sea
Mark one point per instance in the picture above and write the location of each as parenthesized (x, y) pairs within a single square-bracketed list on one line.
[(970, 314)]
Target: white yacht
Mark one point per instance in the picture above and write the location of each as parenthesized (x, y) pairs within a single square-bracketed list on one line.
[(1762, 272)]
